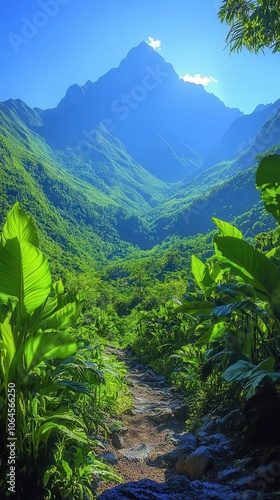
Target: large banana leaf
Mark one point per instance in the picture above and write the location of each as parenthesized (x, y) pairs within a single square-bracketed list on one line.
[(197, 307), (201, 273), (227, 309), (70, 431), (251, 375), (62, 420), (24, 269), (227, 229), (268, 181), (214, 332), (8, 347), (259, 271), (64, 317), (20, 226), (42, 347), (234, 289)]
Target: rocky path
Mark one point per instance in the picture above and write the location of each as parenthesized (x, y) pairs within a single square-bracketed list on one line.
[(153, 427), (158, 459)]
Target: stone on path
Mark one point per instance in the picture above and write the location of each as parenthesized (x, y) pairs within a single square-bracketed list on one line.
[(162, 416), (196, 464), (142, 452), (117, 441), (109, 458), (176, 488)]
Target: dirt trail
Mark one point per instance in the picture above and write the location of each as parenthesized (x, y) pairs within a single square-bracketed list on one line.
[(153, 426)]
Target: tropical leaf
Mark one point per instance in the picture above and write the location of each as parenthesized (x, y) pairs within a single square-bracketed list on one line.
[(233, 289), (216, 272), (238, 371), (259, 271), (8, 346), (42, 347), (75, 386), (68, 470), (255, 380), (213, 333), (19, 225), (252, 375), (69, 431), (227, 229), (197, 307), (227, 309), (64, 317), (40, 317), (268, 181), (199, 271), (25, 271)]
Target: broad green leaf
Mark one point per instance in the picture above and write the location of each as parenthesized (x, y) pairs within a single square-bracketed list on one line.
[(233, 289), (8, 347), (227, 309), (64, 317), (40, 317), (247, 347), (47, 474), (24, 270), (255, 380), (216, 272), (268, 181), (67, 469), (197, 307), (75, 386), (79, 457), (58, 287), (19, 225), (198, 269), (64, 413), (201, 273), (213, 333), (227, 229), (42, 347), (238, 371), (251, 374), (71, 432), (260, 271), (267, 364)]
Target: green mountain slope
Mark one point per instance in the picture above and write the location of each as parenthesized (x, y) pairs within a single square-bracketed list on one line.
[(78, 221), (189, 211), (94, 202)]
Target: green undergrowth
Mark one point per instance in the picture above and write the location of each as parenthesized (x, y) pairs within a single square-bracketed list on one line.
[(59, 389)]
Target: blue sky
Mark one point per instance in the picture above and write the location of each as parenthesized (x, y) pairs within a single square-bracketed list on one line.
[(47, 45)]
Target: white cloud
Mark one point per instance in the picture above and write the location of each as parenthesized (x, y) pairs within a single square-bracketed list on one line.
[(199, 79), (154, 43)]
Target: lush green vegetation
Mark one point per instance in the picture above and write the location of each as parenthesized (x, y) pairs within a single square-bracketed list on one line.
[(221, 343), (254, 25), (214, 332), (137, 262), (57, 386)]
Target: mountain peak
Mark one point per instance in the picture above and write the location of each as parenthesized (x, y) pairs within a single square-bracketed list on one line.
[(143, 55), (261, 107), (28, 115), (143, 102)]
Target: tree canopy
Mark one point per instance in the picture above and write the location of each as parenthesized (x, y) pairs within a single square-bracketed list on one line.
[(253, 24)]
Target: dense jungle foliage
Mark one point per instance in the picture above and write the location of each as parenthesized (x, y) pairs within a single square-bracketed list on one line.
[(208, 320)]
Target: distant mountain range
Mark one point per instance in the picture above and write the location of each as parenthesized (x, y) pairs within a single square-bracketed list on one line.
[(132, 159), (167, 125)]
